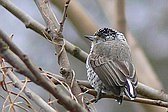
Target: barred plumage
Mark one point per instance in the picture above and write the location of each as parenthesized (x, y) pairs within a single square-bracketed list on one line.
[(109, 64)]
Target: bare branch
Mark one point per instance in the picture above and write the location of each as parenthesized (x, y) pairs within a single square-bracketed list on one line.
[(30, 94), (39, 79), (60, 46), (157, 100), (64, 16), (4, 85), (138, 99), (40, 29), (76, 13)]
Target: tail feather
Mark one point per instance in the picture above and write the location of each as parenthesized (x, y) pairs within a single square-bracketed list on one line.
[(130, 90)]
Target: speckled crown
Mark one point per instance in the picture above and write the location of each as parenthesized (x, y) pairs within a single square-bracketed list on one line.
[(103, 32)]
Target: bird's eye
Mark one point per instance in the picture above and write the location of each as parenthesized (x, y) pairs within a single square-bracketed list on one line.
[(121, 37), (107, 37), (97, 40)]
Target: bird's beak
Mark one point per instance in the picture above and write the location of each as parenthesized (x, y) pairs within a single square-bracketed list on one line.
[(90, 37)]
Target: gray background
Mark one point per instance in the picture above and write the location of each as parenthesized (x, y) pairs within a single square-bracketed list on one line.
[(147, 20)]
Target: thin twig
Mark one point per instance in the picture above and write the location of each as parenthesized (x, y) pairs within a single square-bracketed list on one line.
[(17, 105), (21, 90), (76, 13), (64, 16), (4, 103), (3, 70), (64, 84)]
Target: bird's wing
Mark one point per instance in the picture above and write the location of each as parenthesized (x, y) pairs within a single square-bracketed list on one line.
[(113, 72)]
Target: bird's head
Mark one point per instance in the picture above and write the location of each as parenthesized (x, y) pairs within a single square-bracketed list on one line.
[(105, 34)]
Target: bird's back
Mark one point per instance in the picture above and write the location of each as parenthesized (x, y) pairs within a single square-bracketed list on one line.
[(112, 50)]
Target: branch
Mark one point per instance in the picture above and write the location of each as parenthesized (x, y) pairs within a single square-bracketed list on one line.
[(157, 100), (76, 13), (29, 93), (13, 59), (138, 99), (59, 45), (40, 29), (142, 89), (10, 57), (64, 16)]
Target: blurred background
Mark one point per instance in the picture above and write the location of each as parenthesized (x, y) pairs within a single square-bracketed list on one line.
[(146, 20)]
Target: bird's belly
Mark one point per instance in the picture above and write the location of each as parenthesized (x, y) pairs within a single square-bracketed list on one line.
[(93, 78)]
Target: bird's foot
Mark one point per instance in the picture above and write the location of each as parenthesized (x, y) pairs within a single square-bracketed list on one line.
[(98, 96), (119, 99)]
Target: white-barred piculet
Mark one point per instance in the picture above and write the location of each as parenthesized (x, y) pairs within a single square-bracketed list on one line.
[(109, 65)]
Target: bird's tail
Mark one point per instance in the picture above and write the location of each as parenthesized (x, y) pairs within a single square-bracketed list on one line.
[(130, 90)]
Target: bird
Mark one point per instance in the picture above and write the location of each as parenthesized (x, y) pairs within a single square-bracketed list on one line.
[(109, 65)]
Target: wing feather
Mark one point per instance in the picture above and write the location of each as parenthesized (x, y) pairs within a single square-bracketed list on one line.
[(113, 72)]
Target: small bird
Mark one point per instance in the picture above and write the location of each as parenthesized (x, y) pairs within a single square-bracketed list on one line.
[(109, 65)]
